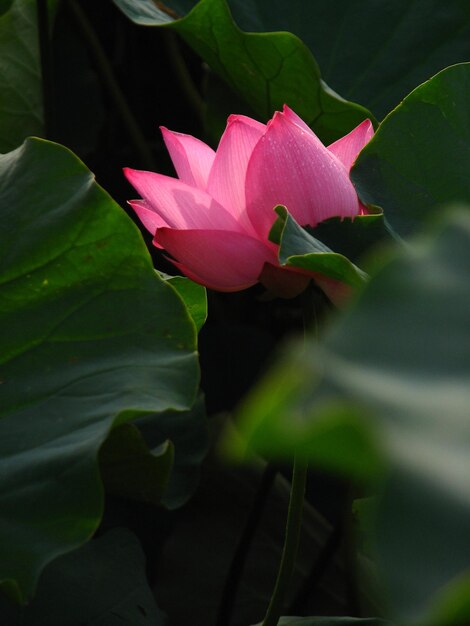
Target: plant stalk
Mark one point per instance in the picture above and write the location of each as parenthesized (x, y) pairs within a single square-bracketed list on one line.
[(291, 543)]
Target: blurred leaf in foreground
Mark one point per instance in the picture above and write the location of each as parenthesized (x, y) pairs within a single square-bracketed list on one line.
[(388, 388)]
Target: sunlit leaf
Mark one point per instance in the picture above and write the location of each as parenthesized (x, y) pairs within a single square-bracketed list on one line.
[(94, 339)]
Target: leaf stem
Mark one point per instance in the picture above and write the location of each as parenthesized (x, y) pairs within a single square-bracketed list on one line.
[(107, 75), (291, 543)]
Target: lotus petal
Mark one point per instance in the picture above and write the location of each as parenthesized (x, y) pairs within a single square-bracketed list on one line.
[(222, 260), (191, 157), (348, 147), (227, 178), (291, 166), (179, 204)]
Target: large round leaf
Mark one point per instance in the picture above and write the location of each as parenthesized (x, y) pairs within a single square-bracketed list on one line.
[(419, 158), (93, 337), (370, 52), (267, 69)]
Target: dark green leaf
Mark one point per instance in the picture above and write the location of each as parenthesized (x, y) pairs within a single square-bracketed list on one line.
[(187, 431), (267, 69), (5, 6), (130, 470), (419, 158), (101, 584), (297, 248), (21, 111), (372, 53), (357, 238), (166, 474), (94, 339), (369, 53)]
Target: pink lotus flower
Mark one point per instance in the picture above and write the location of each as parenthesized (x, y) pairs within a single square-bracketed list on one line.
[(214, 219)]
